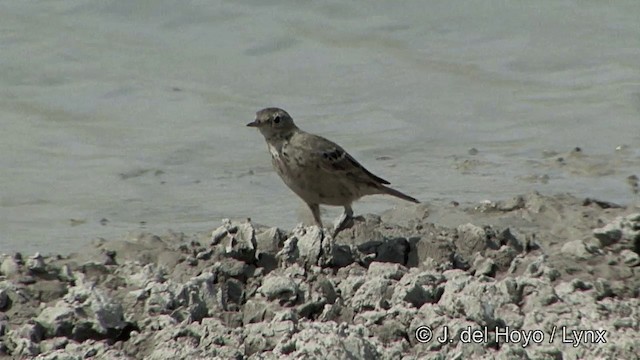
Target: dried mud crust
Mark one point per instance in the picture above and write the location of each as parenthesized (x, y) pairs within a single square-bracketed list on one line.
[(532, 277)]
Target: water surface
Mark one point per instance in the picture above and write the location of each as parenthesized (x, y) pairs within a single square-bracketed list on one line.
[(120, 116)]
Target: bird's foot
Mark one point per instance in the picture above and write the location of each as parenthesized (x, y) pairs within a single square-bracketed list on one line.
[(343, 222)]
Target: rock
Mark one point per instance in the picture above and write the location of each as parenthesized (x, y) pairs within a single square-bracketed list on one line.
[(110, 257), (204, 255), (257, 310), (384, 270), (268, 244), (36, 264), (9, 267), (162, 298), (350, 285), (472, 239), (501, 260), (511, 289), (630, 258), (477, 301), (289, 253), (330, 342), (576, 249), (270, 240), (510, 315), (32, 331), (24, 348), (364, 294), (603, 288), (506, 238), (417, 289), (391, 331), (232, 294), (58, 320), (51, 345), (106, 314), (484, 266), (327, 291), (609, 234), (375, 293), (626, 323), (279, 288), (241, 245), (229, 267), (311, 309), (66, 274), (309, 244), (622, 227), (264, 337), (335, 255), (515, 203), (220, 233), (84, 312), (539, 267), (393, 250), (370, 318), (427, 248), (544, 294), (5, 301)]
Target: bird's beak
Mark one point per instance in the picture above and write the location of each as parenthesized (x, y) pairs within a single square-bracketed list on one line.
[(253, 124)]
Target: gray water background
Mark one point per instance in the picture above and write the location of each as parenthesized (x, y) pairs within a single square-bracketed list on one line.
[(120, 116)]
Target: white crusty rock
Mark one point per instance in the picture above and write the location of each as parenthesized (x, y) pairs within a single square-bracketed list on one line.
[(366, 294), (238, 240), (621, 228), (280, 288)]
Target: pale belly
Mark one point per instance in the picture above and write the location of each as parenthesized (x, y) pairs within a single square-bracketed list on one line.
[(314, 184)]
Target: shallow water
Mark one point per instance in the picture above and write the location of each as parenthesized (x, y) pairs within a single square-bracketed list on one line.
[(120, 116)]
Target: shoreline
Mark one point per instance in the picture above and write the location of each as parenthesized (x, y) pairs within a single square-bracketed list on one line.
[(535, 276)]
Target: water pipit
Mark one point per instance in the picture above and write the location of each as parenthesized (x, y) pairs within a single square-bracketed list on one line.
[(318, 170)]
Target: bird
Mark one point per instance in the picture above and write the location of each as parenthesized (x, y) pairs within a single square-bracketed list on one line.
[(316, 169)]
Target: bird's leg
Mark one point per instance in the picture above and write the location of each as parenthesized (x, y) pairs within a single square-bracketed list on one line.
[(343, 220), (315, 210)]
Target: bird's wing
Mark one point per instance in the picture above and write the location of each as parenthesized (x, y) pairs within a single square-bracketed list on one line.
[(335, 159)]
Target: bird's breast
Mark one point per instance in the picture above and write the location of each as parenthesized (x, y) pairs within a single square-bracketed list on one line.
[(279, 159), (274, 151)]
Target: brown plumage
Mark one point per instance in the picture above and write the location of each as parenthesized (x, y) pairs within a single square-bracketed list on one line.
[(318, 170)]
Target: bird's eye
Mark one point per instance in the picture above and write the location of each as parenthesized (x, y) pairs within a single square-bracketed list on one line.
[(276, 120)]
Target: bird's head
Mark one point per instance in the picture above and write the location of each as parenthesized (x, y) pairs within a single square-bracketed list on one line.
[(273, 123)]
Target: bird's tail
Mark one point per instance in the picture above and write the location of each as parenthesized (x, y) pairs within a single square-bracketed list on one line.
[(396, 193)]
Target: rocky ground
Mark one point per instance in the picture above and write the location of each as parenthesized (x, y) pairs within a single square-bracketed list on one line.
[(534, 277)]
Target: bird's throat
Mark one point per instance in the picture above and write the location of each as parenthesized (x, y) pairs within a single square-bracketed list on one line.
[(278, 138)]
